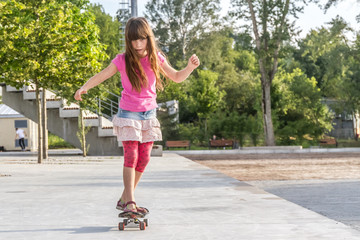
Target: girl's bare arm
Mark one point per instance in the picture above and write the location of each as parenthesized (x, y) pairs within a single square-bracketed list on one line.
[(96, 80), (179, 76)]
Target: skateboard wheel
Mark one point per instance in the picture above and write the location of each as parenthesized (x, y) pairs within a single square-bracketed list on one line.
[(121, 226), (125, 221), (146, 221), (142, 226)]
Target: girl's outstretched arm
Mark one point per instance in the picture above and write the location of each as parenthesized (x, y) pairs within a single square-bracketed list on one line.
[(179, 76), (96, 80)]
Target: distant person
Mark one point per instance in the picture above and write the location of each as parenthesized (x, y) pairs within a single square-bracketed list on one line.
[(136, 124), (21, 134), (213, 138)]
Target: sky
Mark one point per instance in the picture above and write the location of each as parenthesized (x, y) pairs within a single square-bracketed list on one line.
[(312, 18)]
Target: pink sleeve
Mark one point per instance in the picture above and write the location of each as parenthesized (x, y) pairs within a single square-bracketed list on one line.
[(118, 61), (161, 58)]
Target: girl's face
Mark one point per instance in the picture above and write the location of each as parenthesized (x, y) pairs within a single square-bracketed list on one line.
[(140, 46)]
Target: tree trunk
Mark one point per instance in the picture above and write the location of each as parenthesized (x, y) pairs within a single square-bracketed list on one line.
[(265, 80), (83, 139), (40, 134), (44, 123), (267, 119)]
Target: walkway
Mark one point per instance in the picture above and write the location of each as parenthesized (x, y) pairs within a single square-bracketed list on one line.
[(72, 198)]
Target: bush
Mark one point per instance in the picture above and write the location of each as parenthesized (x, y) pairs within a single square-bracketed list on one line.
[(56, 142), (192, 132)]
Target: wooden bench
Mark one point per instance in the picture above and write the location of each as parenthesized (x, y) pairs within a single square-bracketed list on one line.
[(184, 143), (221, 143), (328, 141)]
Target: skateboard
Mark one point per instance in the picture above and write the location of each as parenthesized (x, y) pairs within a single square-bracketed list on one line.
[(128, 218)]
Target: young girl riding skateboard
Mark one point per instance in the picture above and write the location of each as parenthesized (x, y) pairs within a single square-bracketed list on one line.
[(136, 124)]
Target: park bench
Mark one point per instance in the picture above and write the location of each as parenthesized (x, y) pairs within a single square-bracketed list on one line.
[(221, 143), (183, 143), (328, 141)]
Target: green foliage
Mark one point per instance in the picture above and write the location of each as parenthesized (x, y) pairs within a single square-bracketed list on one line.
[(232, 125), (176, 27), (243, 89), (169, 127), (109, 36), (271, 25), (298, 108), (350, 94), (109, 33), (213, 48), (192, 132), (254, 128), (56, 142), (204, 96), (63, 43), (328, 55), (175, 91), (348, 143), (53, 43), (323, 54), (173, 130)]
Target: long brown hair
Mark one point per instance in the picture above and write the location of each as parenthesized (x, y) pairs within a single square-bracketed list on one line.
[(139, 28)]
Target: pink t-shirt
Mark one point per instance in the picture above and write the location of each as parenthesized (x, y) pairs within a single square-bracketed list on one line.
[(132, 100)]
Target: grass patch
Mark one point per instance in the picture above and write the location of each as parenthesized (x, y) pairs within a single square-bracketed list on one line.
[(348, 143), (56, 142)]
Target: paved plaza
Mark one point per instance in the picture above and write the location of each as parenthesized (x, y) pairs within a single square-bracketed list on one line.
[(69, 197)]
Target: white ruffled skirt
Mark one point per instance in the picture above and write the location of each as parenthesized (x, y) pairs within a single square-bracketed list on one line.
[(127, 129)]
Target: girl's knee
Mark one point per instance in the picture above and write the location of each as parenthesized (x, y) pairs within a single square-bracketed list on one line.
[(130, 153), (144, 156), (142, 163), (140, 169)]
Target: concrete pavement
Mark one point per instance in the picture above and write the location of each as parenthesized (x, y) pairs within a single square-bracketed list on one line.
[(336, 199), (69, 197)]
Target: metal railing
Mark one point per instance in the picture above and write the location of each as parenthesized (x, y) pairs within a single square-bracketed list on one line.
[(107, 107)]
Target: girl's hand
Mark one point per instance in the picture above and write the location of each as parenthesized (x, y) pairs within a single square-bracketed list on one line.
[(78, 93), (194, 62)]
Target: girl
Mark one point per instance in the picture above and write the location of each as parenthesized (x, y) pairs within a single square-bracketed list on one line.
[(136, 124)]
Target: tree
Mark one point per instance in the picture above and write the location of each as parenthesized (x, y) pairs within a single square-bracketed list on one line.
[(324, 54), (271, 27), (350, 94), (176, 27), (204, 96), (235, 125), (52, 44), (298, 107), (236, 67), (109, 36), (81, 133)]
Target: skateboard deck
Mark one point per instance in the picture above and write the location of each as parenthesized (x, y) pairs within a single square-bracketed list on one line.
[(132, 219)]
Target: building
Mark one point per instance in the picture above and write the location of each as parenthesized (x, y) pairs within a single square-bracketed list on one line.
[(9, 121), (346, 125)]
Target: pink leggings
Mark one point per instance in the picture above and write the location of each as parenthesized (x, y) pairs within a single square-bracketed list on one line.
[(136, 154)]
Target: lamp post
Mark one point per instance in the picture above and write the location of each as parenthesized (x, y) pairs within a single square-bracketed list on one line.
[(134, 12)]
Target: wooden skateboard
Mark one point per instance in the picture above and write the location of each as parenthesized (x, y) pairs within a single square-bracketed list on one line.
[(129, 218)]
